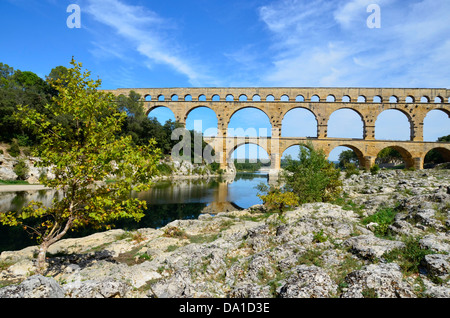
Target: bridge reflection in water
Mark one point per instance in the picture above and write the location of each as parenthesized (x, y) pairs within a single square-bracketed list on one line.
[(166, 201)]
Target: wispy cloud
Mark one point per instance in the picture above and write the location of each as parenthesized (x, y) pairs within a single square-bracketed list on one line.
[(327, 43), (145, 32)]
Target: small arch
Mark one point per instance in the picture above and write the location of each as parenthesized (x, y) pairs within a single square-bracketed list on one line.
[(161, 98), (229, 98), (202, 98), (438, 100), (361, 99), (331, 98), (188, 98), (249, 152), (393, 99), (284, 98), (300, 98), (394, 157), (270, 98), (243, 98), (346, 99), (409, 99), (256, 98), (377, 99), (174, 97), (315, 98), (148, 98), (216, 98), (424, 99)]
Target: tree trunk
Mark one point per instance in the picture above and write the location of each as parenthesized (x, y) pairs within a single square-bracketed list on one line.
[(41, 263)]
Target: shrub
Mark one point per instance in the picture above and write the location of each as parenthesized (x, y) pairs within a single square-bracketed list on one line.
[(384, 217), (277, 200), (21, 169), (351, 169), (312, 178), (374, 169), (14, 149)]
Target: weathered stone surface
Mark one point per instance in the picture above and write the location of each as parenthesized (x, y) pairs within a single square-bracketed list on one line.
[(381, 281), (36, 286), (370, 246), (308, 282)]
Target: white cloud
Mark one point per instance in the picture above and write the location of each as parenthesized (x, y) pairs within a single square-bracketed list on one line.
[(147, 34)]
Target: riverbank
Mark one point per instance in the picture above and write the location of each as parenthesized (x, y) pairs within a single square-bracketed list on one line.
[(389, 237)]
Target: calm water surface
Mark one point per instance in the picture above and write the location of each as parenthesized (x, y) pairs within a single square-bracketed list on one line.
[(166, 201)]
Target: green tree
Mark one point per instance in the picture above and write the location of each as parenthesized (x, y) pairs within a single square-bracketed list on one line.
[(276, 199), (312, 178), (346, 157), (82, 156)]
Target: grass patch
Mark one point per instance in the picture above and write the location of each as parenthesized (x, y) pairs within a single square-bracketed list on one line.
[(384, 217), (13, 182), (409, 257)]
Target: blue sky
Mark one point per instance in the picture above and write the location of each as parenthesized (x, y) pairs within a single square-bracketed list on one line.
[(242, 43)]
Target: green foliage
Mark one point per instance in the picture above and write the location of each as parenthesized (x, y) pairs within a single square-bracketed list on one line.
[(312, 178), (388, 155), (351, 169), (409, 257), (347, 157), (14, 149), (250, 166), (384, 217), (21, 169), (374, 169), (319, 237), (276, 199), (83, 154)]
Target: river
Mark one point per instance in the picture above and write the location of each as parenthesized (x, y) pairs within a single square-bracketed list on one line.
[(166, 201)]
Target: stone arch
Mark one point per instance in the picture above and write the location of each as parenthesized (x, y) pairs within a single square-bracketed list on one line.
[(188, 98), (202, 98), (388, 126), (361, 99), (148, 98), (438, 100), (436, 123), (174, 98), (248, 121), (270, 98), (242, 98), (425, 99), (162, 113), (231, 149), (299, 98), (311, 125), (331, 98), (292, 148), (377, 99), (409, 99), (405, 154), (393, 99), (256, 98), (209, 120), (356, 150), (315, 98), (436, 156), (284, 98), (161, 98), (348, 121), (229, 98), (215, 98), (346, 99)]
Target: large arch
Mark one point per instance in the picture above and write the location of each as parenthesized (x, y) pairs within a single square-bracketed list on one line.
[(346, 123), (248, 150), (299, 122), (436, 124), (393, 124), (436, 156), (161, 113), (336, 151), (249, 121), (405, 155), (202, 119)]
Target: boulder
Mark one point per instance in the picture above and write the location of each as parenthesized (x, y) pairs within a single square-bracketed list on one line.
[(36, 286)]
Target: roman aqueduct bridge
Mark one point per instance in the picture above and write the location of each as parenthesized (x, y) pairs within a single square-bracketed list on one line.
[(369, 103)]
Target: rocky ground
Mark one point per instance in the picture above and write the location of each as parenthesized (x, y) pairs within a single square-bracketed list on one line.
[(388, 237)]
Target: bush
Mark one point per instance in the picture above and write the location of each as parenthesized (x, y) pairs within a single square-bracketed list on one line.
[(374, 169), (21, 169), (384, 217), (351, 169), (277, 200), (14, 149), (312, 178)]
